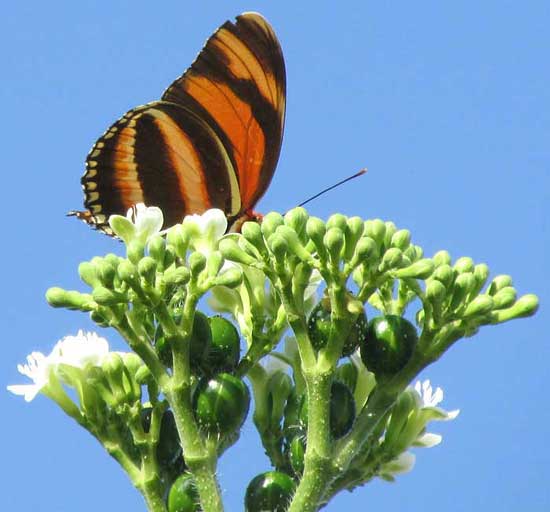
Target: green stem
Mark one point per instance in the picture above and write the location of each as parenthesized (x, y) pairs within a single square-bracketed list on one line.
[(317, 471), (200, 457)]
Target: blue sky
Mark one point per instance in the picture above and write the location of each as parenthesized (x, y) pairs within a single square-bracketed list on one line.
[(446, 103)]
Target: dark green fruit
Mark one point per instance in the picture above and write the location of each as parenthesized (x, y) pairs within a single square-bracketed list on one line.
[(225, 349), (388, 345), (319, 326), (342, 410), (221, 403), (269, 492), (201, 340), (183, 495), (347, 373)]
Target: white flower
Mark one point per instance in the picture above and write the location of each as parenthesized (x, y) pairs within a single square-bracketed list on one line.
[(81, 350), (38, 369), (77, 351), (141, 222), (429, 400), (206, 229), (403, 463)]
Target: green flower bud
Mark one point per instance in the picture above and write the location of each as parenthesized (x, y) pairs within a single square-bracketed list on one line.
[(442, 258), (113, 366), (107, 297), (197, 263), (135, 250), (279, 388), (169, 256), (414, 252), (143, 375), (88, 273), (481, 273), (296, 219), (232, 277), (420, 269), (353, 232), (338, 221), (390, 231), (498, 283), (214, 263), (375, 229), (435, 291), (278, 246), (366, 252), (481, 305), (270, 223), (252, 232), (294, 243), (178, 238), (100, 318), (392, 259), (230, 250), (462, 287), (106, 272), (127, 272), (401, 239), (316, 229), (444, 274), (157, 249), (296, 454), (177, 276), (334, 242), (524, 307), (59, 298), (147, 268), (464, 264), (504, 298), (404, 405)]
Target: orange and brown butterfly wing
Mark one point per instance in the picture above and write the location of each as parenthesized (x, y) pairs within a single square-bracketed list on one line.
[(212, 141), (238, 85)]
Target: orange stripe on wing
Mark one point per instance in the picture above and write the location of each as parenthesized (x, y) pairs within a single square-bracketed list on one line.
[(185, 162), (239, 125)]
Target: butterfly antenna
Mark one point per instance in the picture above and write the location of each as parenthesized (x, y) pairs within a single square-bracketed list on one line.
[(356, 175)]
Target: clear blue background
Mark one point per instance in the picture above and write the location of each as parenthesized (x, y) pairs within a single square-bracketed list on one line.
[(447, 103)]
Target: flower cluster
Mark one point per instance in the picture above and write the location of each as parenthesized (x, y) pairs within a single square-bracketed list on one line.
[(334, 407)]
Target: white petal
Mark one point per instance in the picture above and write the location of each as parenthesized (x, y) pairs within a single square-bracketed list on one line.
[(81, 350), (428, 440)]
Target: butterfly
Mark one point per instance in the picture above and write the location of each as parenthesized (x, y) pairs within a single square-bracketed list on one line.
[(212, 140)]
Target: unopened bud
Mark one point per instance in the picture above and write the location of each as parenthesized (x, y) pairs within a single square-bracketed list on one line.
[(401, 239), (441, 258), (270, 223), (420, 269), (481, 305), (375, 229), (392, 258), (334, 242), (230, 250)]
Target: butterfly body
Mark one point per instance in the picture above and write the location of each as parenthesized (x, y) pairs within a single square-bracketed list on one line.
[(212, 140)]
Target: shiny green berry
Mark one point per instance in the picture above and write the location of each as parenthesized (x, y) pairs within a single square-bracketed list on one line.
[(269, 492), (319, 327), (225, 349), (388, 345), (183, 495), (221, 403)]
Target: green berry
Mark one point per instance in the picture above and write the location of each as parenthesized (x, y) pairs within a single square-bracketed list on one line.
[(269, 492), (225, 349), (183, 495)]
